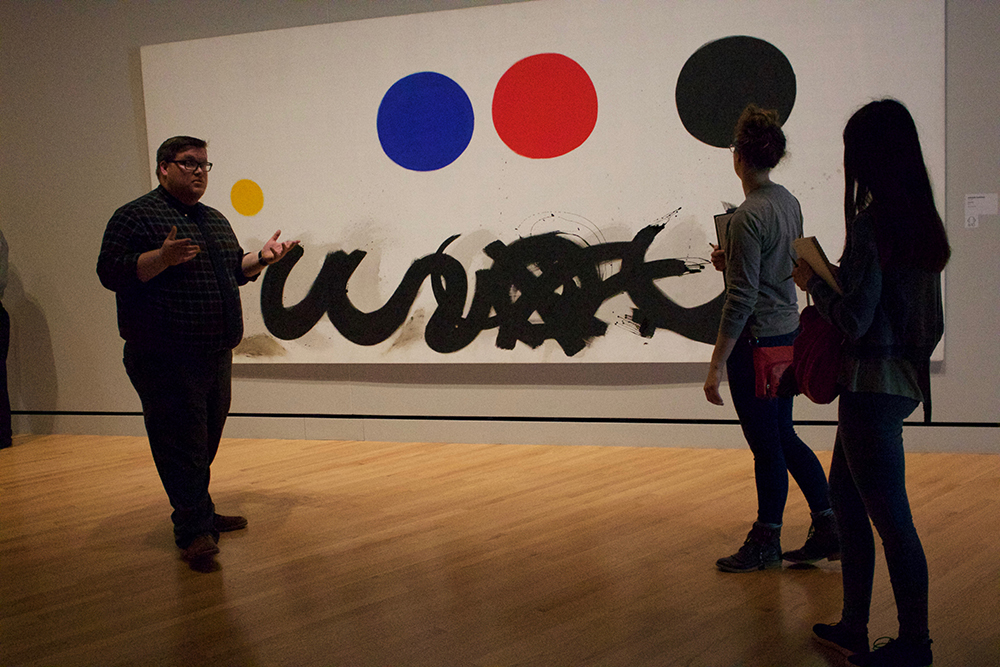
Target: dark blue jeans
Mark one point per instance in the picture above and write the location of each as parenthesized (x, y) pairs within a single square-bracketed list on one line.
[(777, 449), (185, 401), (868, 486)]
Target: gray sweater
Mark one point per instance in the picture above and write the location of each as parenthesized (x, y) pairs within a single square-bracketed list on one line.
[(759, 262)]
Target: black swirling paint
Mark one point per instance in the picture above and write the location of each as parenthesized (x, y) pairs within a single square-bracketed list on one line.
[(546, 277)]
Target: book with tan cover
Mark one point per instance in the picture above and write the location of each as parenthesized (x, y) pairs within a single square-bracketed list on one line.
[(809, 249)]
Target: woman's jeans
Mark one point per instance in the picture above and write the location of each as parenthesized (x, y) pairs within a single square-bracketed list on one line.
[(777, 450), (868, 481)]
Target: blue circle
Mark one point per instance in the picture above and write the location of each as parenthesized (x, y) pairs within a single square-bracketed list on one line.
[(425, 121)]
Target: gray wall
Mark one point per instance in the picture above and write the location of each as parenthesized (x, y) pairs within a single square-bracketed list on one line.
[(73, 148)]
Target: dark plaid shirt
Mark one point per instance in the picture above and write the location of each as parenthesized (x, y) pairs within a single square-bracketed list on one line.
[(194, 305)]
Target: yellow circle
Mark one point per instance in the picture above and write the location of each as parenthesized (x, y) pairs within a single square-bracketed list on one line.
[(247, 197)]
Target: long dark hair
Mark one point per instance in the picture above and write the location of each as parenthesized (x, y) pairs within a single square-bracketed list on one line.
[(758, 138), (884, 170)]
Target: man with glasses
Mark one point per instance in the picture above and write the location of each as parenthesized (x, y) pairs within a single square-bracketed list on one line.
[(176, 266)]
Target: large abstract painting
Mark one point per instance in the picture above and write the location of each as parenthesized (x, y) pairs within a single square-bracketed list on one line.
[(530, 182)]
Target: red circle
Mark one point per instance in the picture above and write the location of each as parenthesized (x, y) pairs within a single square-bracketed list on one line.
[(544, 106)]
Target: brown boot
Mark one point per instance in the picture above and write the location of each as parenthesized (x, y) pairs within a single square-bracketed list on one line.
[(202, 548)]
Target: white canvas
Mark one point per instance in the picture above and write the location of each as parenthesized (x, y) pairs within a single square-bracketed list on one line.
[(295, 111)]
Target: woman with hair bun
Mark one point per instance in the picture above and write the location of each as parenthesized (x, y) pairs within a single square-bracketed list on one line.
[(761, 310), (892, 318)]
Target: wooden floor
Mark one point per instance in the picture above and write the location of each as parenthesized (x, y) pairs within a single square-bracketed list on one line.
[(442, 555)]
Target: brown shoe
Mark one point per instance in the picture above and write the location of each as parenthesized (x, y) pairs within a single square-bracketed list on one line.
[(225, 524), (201, 548)]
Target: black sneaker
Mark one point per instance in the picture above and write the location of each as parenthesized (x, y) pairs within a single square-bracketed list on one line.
[(822, 542), (895, 653), (761, 550), (840, 637)]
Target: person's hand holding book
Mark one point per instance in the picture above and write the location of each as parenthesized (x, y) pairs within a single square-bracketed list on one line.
[(802, 274), (813, 262)]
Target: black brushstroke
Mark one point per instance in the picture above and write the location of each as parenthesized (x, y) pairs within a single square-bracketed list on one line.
[(723, 76), (548, 277)]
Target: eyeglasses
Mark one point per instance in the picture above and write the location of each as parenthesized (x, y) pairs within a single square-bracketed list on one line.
[(192, 165)]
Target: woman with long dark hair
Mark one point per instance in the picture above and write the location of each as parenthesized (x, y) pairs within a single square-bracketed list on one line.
[(892, 317), (761, 310)]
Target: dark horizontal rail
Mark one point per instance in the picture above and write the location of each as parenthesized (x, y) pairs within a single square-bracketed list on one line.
[(488, 418)]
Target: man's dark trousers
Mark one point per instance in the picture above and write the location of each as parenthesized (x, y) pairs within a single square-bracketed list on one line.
[(185, 401)]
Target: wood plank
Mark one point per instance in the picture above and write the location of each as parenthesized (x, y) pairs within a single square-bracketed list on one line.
[(372, 553)]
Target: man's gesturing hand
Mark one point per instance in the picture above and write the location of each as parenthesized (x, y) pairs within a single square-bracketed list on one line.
[(176, 251), (274, 250)]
